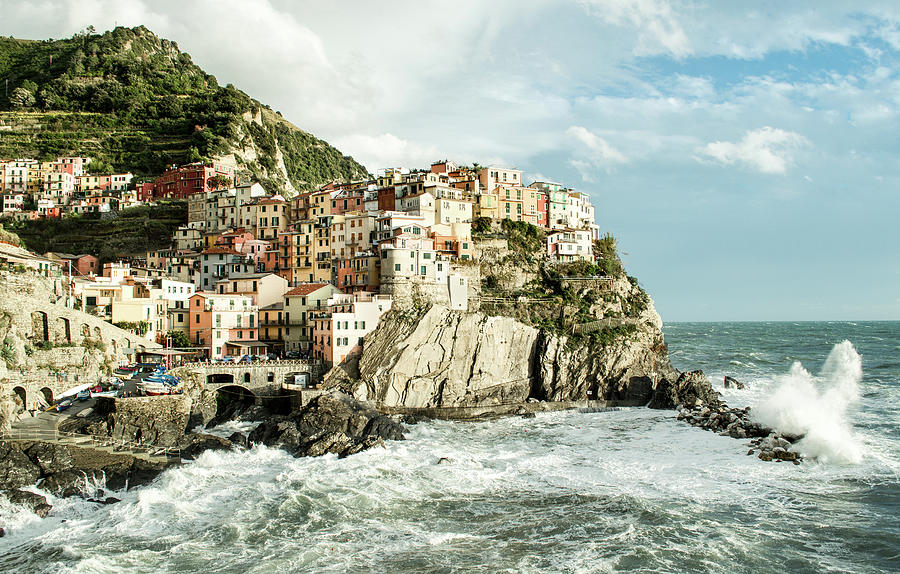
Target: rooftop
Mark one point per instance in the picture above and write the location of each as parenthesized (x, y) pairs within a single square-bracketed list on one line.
[(305, 289)]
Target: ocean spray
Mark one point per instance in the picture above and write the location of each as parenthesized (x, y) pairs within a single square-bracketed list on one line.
[(816, 407)]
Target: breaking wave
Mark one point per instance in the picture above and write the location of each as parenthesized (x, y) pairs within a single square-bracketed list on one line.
[(816, 407)]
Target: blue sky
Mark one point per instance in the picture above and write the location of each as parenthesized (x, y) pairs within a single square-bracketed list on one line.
[(744, 154)]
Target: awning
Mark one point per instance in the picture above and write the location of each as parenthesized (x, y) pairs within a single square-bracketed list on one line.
[(245, 345)]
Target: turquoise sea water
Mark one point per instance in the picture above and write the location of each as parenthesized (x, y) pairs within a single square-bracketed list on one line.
[(625, 490)]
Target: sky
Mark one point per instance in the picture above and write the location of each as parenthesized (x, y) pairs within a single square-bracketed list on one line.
[(744, 155)]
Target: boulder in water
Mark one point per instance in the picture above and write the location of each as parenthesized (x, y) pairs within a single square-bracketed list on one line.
[(35, 502), (193, 444), (691, 388), (732, 383), (238, 439), (333, 422)]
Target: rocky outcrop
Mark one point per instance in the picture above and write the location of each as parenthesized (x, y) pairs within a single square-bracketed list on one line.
[(448, 359), (331, 423), (68, 470), (34, 502), (452, 359), (192, 445), (690, 388), (156, 421)]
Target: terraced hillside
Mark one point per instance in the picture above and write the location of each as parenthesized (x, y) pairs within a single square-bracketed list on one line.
[(136, 102), (130, 232)]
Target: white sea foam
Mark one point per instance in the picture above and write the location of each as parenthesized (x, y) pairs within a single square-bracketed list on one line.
[(816, 407)]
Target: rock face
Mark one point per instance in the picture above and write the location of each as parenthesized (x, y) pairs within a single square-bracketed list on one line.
[(449, 359), (157, 421), (331, 423), (691, 388), (456, 359)]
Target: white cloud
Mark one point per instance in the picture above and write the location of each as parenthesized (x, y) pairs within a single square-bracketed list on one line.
[(767, 150), (657, 25), (387, 150), (593, 153)]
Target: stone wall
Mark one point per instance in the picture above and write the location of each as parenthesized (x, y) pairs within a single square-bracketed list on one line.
[(157, 421), (49, 348)]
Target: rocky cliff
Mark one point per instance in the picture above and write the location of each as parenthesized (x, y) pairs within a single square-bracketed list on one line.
[(566, 333)]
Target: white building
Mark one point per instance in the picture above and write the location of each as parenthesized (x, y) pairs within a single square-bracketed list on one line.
[(338, 331), (570, 245)]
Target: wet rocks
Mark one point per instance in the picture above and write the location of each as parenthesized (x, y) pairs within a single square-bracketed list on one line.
[(775, 447), (193, 444), (35, 502), (333, 422), (732, 383), (70, 470), (691, 388), (16, 468), (767, 444)]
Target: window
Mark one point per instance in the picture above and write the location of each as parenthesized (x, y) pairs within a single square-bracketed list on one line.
[(196, 319), (423, 270), (396, 267), (426, 256)]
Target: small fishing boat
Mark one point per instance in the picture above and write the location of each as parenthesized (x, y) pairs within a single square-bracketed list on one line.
[(154, 389), (63, 405), (83, 395)]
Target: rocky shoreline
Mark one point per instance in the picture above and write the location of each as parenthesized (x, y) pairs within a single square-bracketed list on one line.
[(333, 422), (718, 417)]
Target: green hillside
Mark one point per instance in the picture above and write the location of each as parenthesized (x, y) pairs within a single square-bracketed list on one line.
[(132, 231), (137, 103)]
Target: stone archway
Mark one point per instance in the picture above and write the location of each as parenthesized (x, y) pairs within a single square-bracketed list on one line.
[(47, 392), (115, 346), (97, 334), (21, 398), (85, 331), (39, 327), (64, 334)]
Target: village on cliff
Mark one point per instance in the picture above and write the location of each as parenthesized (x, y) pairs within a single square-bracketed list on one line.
[(253, 273)]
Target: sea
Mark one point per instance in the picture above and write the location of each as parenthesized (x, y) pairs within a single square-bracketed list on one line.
[(622, 490)]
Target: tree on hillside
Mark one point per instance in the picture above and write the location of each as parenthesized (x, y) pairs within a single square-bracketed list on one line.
[(21, 98)]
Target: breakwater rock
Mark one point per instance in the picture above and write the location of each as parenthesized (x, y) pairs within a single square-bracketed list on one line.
[(766, 443), (331, 423)]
